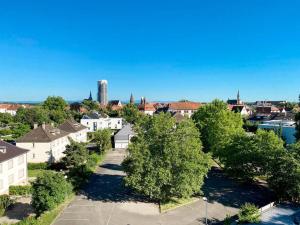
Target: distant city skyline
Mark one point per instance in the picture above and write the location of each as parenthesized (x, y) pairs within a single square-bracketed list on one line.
[(163, 50)]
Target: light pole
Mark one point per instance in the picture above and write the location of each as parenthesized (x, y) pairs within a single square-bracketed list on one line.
[(205, 200)]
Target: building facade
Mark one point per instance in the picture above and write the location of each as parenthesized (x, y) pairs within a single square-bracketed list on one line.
[(123, 137), (13, 166), (77, 131), (95, 121), (45, 144), (185, 108), (102, 92)]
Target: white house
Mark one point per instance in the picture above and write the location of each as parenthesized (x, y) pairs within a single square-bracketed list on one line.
[(242, 109), (147, 108), (76, 131), (285, 127), (45, 143), (123, 137), (13, 166), (185, 108), (95, 122)]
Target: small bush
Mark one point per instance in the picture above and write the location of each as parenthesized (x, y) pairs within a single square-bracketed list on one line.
[(49, 190), (20, 190), (93, 160), (249, 213), (5, 202), (37, 166)]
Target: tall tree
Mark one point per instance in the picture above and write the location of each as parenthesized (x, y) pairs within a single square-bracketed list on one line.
[(247, 156), (103, 139), (130, 113), (166, 160), (55, 103), (76, 155), (32, 115), (217, 124)]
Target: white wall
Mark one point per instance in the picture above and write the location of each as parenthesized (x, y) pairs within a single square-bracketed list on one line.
[(80, 136), (17, 175), (188, 113), (102, 123), (41, 152)]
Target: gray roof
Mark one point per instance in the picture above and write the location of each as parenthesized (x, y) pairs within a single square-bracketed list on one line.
[(10, 151), (71, 126), (94, 115), (45, 133), (125, 132)]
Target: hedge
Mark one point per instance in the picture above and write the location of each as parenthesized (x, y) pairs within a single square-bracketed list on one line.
[(25, 190), (37, 166), (5, 202)]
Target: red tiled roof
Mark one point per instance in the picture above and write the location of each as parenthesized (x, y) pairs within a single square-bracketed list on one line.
[(184, 105), (147, 107)]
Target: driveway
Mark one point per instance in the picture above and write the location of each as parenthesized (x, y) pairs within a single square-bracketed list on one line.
[(105, 201)]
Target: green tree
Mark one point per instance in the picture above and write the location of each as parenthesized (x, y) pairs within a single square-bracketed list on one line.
[(58, 116), (76, 155), (249, 213), (247, 156), (166, 160), (55, 103), (19, 129), (217, 125), (32, 115), (130, 113), (284, 176), (49, 190), (103, 139), (6, 118), (90, 104)]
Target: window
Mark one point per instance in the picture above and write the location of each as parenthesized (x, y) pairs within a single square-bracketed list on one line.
[(21, 173), (21, 159), (33, 144), (10, 179), (10, 164), (119, 121), (33, 156)]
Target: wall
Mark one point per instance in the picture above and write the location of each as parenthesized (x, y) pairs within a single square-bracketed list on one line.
[(18, 172), (102, 123)]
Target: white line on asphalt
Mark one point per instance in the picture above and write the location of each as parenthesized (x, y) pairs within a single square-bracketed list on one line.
[(112, 210), (76, 219)]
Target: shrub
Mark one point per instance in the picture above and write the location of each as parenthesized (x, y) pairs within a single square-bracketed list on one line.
[(37, 166), (5, 202), (93, 160), (49, 190), (20, 190), (249, 213)]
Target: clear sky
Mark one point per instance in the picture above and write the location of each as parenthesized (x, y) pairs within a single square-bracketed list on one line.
[(161, 49)]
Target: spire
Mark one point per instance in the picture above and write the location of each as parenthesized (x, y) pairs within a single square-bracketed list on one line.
[(91, 98), (238, 98), (131, 99)]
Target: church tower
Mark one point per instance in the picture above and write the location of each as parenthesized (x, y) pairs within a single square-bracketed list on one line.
[(131, 99), (238, 99)]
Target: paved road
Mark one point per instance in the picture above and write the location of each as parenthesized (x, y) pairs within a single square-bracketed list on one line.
[(105, 201)]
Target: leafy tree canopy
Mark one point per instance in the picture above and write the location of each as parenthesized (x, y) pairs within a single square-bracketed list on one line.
[(166, 160), (55, 103), (130, 113), (103, 139), (76, 155), (217, 125), (32, 115), (49, 190)]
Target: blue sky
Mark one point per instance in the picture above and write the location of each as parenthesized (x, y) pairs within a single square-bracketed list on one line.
[(161, 49)]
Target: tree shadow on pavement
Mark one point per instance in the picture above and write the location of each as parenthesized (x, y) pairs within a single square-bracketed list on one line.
[(112, 167), (110, 188), (219, 188)]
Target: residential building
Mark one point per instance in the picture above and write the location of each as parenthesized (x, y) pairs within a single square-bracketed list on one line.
[(287, 129), (115, 105), (13, 166), (123, 137), (95, 121), (185, 108), (147, 108), (45, 143), (76, 131), (102, 92), (244, 110), (11, 108)]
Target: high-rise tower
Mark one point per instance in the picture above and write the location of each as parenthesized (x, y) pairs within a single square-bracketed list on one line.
[(102, 92)]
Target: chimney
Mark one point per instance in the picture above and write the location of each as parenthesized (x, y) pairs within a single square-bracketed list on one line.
[(3, 149), (44, 126), (35, 125)]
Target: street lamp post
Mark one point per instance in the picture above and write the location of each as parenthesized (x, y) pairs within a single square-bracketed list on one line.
[(205, 200)]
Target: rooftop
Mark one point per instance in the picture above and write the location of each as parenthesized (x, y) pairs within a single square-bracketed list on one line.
[(9, 151)]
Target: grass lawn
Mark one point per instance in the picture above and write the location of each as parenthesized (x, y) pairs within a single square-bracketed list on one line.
[(175, 203), (35, 173)]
